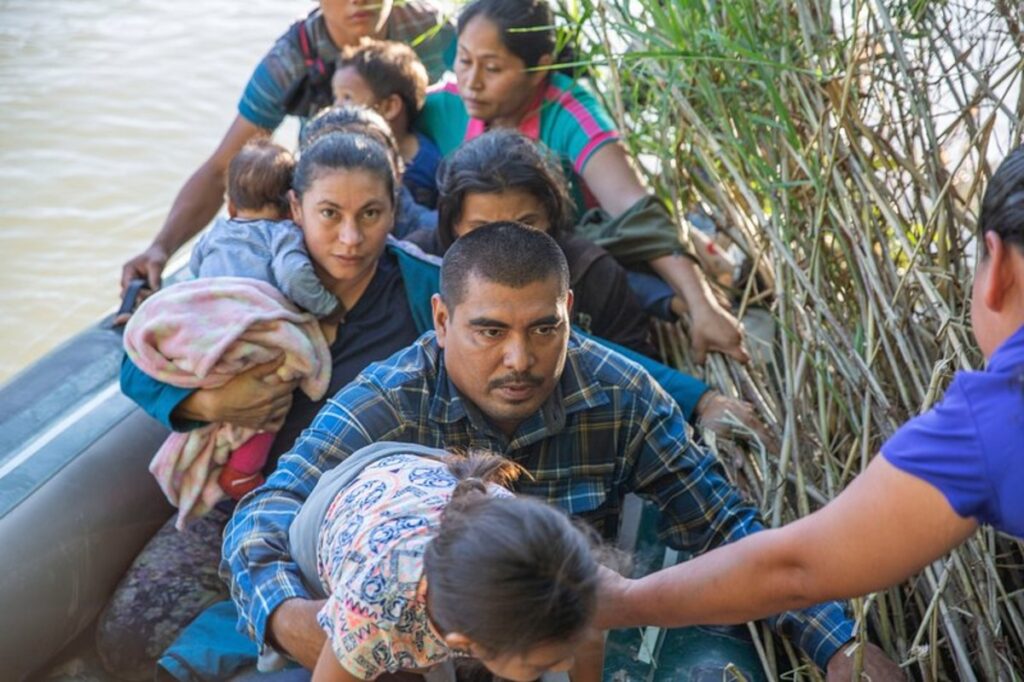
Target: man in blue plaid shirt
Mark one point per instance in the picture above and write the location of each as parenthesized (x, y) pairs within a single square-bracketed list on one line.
[(504, 372)]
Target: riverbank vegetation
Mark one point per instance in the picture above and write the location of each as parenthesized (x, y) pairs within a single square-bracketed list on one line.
[(841, 148)]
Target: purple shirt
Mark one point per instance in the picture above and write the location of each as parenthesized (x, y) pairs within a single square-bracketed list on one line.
[(971, 445)]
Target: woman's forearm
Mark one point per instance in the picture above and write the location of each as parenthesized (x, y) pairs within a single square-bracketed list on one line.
[(732, 584), (882, 529)]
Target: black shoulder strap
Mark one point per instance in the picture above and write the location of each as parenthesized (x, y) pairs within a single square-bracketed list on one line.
[(309, 55), (312, 91)]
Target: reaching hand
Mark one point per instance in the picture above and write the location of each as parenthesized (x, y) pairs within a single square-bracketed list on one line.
[(878, 667), (714, 329), (732, 418), (148, 265)]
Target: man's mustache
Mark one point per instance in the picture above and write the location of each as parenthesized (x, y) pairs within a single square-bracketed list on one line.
[(515, 379)]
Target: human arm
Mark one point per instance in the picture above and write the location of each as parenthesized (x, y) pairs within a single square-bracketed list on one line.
[(293, 270), (589, 663), (616, 185), (731, 417), (157, 399), (886, 526), (700, 509), (293, 627), (684, 389), (196, 204), (245, 400), (602, 293), (256, 560), (248, 399), (328, 668), (654, 295)]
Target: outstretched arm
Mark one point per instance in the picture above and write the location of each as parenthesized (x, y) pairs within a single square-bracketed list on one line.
[(884, 527), (195, 206), (617, 186)]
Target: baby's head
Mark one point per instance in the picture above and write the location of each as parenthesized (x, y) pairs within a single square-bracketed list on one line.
[(385, 76), (259, 178), (511, 581)]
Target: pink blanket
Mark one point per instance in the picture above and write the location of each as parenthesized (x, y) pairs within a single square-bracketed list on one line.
[(200, 334)]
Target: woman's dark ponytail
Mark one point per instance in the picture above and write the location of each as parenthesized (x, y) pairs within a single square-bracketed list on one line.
[(527, 570)]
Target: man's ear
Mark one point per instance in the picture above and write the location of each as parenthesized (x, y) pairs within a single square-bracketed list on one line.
[(232, 209), (293, 201), (390, 108), (998, 276), (569, 300), (441, 318)]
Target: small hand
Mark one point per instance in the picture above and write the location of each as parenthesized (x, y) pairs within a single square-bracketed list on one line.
[(255, 399), (714, 329), (148, 265), (729, 418), (878, 667)]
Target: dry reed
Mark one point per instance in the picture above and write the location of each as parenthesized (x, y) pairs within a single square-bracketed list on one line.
[(843, 147)]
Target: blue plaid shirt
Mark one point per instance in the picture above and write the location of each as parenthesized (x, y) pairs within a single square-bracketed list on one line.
[(607, 430)]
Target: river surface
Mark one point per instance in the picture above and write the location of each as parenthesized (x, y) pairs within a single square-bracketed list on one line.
[(106, 107)]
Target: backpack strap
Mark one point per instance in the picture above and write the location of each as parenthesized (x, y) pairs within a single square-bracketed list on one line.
[(313, 61), (312, 91)]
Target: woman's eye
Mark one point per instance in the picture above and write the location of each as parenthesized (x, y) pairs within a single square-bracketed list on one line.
[(490, 68)]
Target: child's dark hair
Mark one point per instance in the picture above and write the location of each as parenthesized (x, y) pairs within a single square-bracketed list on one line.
[(344, 151), (389, 68), (526, 27), (526, 570), (260, 175), (350, 118), (498, 161), (1002, 208)]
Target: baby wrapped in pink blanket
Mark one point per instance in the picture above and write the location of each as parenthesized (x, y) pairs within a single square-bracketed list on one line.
[(200, 334)]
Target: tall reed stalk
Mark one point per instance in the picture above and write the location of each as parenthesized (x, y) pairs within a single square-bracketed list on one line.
[(843, 147)]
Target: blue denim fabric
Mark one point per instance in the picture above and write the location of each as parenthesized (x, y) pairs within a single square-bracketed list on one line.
[(654, 294)]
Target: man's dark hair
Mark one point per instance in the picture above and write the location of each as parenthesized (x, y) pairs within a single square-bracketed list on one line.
[(389, 68), (500, 161), (505, 253), (1002, 208), (260, 175)]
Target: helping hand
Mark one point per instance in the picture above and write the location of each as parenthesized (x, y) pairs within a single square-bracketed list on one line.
[(729, 417), (713, 329)]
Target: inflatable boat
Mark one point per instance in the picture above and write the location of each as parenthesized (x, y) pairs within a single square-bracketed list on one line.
[(77, 503)]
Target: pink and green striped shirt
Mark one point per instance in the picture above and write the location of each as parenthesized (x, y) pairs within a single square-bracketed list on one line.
[(566, 118)]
